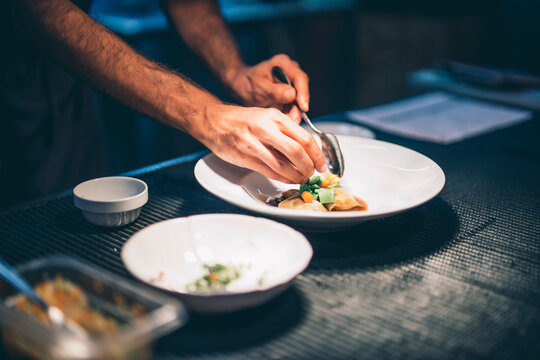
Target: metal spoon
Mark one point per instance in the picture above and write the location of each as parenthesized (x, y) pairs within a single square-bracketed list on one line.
[(329, 142), (55, 315)]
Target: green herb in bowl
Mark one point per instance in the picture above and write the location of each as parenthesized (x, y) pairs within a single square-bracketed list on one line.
[(217, 277)]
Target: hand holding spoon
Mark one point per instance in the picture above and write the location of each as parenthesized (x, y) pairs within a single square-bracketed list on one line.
[(329, 142)]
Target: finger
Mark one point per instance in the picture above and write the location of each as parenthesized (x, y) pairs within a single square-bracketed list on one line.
[(259, 166), (293, 112), (302, 178), (307, 141), (276, 162), (279, 93), (299, 79), (254, 163), (296, 154), (274, 138)]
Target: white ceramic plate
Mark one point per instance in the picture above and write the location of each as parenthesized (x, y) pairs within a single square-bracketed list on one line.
[(171, 254), (389, 177), (341, 128)]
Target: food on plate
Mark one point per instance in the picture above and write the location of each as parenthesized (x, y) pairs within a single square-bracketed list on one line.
[(297, 203), (343, 201), (319, 194), (217, 278)]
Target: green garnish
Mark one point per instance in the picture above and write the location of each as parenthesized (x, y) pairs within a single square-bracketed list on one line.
[(326, 196), (313, 186), (304, 187), (217, 278), (314, 180)]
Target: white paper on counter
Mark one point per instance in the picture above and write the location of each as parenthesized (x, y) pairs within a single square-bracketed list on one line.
[(439, 117)]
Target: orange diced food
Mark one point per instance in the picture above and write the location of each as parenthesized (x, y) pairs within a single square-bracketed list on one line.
[(332, 178), (307, 197)]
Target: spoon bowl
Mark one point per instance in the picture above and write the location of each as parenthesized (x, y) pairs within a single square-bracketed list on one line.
[(333, 154)]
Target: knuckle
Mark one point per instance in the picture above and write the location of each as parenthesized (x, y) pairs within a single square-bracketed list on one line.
[(256, 124), (261, 98), (274, 113), (296, 150), (295, 117), (244, 146), (306, 167), (303, 76), (260, 121), (281, 57), (241, 158), (300, 179), (305, 139)]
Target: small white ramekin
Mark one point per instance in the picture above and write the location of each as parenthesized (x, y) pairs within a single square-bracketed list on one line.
[(111, 201)]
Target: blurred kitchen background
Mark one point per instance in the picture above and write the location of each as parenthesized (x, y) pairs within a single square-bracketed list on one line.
[(357, 53)]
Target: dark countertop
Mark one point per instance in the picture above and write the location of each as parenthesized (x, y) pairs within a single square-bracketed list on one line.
[(457, 277)]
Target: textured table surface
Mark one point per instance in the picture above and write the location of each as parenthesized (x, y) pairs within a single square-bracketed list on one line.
[(458, 277)]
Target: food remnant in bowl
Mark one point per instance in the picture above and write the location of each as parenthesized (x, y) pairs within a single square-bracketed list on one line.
[(319, 194), (217, 278), (71, 299), (157, 279)]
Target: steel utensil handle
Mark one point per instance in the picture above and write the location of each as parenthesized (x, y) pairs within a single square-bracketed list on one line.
[(11, 275), (281, 76)]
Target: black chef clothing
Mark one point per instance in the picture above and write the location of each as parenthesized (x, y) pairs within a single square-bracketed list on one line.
[(50, 137)]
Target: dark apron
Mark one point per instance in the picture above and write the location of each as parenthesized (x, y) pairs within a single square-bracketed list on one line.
[(50, 138)]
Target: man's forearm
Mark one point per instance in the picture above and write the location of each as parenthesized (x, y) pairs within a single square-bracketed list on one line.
[(201, 25), (264, 140), (92, 52)]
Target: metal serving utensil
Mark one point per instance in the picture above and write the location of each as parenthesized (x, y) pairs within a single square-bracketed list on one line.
[(55, 315), (329, 142), (260, 188)]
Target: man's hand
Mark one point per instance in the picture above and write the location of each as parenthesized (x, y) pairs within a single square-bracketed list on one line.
[(200, 24), (255, 86), (264, 140)]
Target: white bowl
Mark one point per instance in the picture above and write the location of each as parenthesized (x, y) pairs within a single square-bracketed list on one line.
[(171, 254), (111, 201), (389, 177)]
